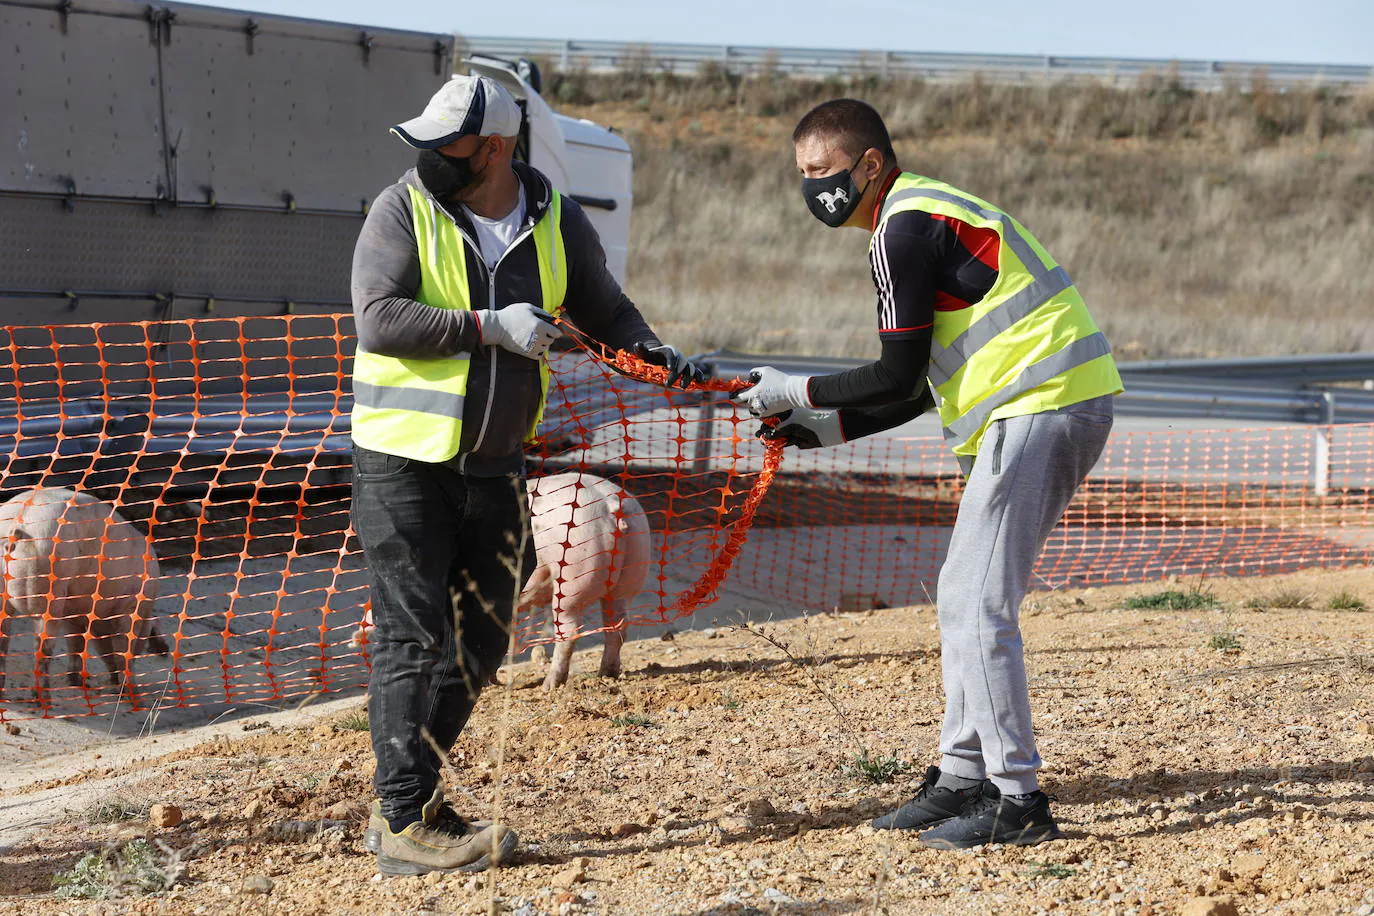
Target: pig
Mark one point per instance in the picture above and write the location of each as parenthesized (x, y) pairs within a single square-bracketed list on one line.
[(72, 561), (605, 562), (591, 540)]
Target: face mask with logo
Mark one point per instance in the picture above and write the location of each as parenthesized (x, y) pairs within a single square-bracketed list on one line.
[(445, 175), (832, 199)]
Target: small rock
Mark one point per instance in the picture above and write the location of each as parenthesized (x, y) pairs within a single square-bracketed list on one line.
[(164, 815), (257, 884), (570, 876), (1361, 728), (344, 811), (758, 809), (773, 895), (11, 729), (1209, 906), (564, 897), (1249, 865), (434, 878), (627, 829), (253, 810)]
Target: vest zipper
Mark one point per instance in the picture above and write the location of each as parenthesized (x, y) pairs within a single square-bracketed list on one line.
[(491, 303)]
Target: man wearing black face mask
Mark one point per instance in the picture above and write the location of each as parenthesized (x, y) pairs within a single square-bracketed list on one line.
[(458, 273), (974, 315)]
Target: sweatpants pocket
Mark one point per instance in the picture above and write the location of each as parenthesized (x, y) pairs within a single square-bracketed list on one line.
[(1001, 427)]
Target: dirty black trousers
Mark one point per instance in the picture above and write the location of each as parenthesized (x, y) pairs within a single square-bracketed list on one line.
[(439, 546)]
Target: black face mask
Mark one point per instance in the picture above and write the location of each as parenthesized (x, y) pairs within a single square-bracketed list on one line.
[(445, 175), (832, 199)]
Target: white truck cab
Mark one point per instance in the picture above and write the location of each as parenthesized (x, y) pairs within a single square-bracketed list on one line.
[(584, 160)]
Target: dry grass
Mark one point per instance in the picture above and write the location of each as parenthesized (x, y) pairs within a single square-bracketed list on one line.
[(1196, 224)]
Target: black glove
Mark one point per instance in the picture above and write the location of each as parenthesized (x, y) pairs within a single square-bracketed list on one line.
[(806, 429), (680, 369)]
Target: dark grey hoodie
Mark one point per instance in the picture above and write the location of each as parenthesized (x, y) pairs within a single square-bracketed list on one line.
[(504, 389)]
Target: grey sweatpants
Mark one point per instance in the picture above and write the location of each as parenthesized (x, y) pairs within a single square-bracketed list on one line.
[(1026, 472)]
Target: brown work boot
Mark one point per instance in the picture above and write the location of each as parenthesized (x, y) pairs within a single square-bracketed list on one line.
[(440, 841), (372, 835)]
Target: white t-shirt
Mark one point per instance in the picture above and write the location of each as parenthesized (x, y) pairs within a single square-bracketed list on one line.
[(495, 235)]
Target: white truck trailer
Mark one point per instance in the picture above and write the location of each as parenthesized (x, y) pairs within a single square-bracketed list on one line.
[(167, 162)]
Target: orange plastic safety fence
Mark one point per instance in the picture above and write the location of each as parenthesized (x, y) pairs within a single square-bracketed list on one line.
[(633, 367), (223, 447)]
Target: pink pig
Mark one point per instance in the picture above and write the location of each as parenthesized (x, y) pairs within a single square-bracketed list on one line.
[(72, 557), (591, 542)]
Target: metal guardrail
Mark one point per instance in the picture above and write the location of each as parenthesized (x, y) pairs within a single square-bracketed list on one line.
[(1014, 68), (1263, 389), (1318, 367)]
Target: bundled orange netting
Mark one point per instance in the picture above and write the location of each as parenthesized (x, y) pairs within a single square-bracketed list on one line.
[(179, 496)]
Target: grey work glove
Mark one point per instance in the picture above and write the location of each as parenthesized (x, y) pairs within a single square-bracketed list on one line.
[(523, 329), (807, 429), (681, 370), (774, 392)]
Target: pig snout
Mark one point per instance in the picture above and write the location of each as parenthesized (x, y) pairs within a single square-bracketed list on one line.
[(592, 546), (74, 563)]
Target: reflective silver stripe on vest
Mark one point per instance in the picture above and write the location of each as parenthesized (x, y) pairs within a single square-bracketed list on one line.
[(460, 356), (1075, 354), (946, 360), (1045, 284), (1010, 234), (419, 400)]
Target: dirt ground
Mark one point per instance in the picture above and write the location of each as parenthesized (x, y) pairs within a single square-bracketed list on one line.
[(1220, 753)]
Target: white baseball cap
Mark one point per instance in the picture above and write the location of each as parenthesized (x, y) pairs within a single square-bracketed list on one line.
[(465, 106)]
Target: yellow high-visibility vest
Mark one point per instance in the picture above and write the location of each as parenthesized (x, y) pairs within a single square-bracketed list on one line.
[(1029, 346), (413, 408)]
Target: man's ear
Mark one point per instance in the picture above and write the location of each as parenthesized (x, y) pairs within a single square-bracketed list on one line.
[(873, 164), (507, 150)]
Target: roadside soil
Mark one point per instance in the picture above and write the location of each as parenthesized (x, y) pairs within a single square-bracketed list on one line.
[(1207, 753)]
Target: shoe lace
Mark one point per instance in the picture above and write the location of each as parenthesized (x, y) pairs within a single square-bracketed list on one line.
[(982, 803), (449, 821), (923, 789)]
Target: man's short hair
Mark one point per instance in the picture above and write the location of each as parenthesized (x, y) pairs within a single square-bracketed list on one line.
[(854, 126)]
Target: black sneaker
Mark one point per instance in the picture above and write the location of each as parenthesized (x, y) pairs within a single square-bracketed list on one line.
[(932, 805), (994, 819)]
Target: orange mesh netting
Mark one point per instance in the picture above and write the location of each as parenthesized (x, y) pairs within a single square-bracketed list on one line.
[(222, 445)]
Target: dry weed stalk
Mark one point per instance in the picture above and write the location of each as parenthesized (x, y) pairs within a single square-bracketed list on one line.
[(513, 564), (807, 669)]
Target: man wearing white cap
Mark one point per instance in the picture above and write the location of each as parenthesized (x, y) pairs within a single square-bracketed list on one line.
[(457, 275)]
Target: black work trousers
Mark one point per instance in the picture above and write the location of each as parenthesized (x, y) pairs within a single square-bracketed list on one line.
[(439, 548)]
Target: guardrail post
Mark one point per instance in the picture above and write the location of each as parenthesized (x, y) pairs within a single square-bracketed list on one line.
[(1321, 446), (566, 57), (706, 428)]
